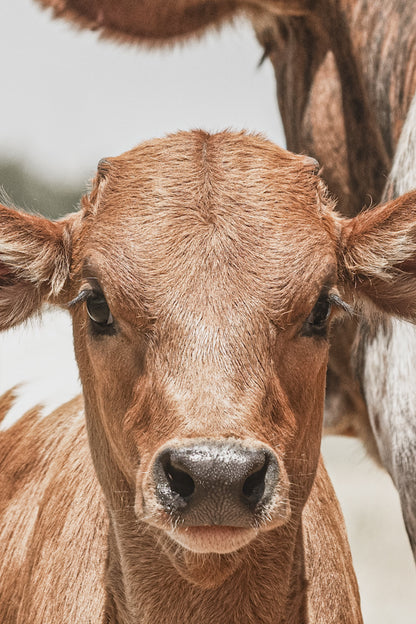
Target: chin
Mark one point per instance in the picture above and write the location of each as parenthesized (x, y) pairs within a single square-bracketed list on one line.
[(213, 539)]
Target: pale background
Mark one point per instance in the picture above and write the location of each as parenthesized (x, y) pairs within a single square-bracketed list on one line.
[(68, 100)]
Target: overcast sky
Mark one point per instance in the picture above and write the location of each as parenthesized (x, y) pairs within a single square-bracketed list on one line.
[(69, 99)]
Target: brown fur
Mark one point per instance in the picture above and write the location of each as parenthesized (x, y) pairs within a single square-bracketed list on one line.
[(55, 545), (54, 528), (212, 251), (34, 263), (6, 401)]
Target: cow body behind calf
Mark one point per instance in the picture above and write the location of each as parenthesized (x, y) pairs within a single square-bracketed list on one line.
[(202, 273)]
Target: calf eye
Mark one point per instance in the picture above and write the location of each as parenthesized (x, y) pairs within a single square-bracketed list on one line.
[(317, 322), (99, 312)]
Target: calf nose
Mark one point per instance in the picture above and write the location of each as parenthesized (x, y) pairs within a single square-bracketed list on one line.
[(215, 482)]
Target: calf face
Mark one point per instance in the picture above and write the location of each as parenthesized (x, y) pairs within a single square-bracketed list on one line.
[(202, 274), (201, 299)]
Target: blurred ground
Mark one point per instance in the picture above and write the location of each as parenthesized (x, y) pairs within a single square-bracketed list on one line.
[(41, 354), (381, 553)]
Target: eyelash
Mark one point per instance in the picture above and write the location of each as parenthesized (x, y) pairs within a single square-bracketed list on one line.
[(316, 325), (97, 327)]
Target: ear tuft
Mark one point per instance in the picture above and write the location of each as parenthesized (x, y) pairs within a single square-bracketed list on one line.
[(378, 255), (34, 263)]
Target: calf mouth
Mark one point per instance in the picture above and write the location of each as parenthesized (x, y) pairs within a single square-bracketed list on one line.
[(213, 539)]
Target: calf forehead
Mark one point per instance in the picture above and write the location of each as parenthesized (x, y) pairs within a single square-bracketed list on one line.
[(197, 218)]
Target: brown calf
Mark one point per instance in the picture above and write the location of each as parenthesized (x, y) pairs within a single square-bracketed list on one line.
[(202, 274), (346, 76)]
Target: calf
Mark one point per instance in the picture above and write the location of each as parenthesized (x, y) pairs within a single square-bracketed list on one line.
[(202, 274), (346, 76)]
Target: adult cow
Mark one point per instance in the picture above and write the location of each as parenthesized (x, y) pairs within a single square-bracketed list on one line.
[(345, 72)]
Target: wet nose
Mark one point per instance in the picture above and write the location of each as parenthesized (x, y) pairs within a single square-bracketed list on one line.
[(216, 482)]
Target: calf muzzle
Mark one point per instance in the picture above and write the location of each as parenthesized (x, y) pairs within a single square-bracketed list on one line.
[(210, 482)]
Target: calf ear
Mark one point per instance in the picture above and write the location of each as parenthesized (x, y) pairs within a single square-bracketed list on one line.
[(378, 256), (34, 263)]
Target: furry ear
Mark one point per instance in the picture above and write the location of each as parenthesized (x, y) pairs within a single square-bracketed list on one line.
[(378, 255), (34, 263)]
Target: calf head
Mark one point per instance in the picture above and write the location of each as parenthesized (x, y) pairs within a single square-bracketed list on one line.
[(202, 274)]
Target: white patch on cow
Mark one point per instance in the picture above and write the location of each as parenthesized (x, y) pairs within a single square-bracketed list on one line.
[(390, 365), (390, 385), (403, 173), (38, 357), (390, 374)]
